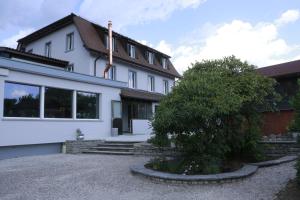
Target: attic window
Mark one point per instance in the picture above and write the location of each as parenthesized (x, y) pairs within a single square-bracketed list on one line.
[(106, 43), (70, 42), (48, 49), (150, 57), (131, 50), (164, 63)]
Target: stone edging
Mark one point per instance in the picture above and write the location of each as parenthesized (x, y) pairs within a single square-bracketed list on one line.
[(279, 161), (245, 171)]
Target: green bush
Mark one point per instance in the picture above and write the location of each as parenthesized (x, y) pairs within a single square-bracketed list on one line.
[(214, 110), (295, 103)]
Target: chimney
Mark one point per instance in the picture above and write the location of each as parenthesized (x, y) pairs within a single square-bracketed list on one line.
[(110, 56)]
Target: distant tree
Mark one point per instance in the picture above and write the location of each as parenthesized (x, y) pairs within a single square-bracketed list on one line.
[(295, 102)]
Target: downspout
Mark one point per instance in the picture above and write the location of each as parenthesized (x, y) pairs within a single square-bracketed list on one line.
[(109, 64)]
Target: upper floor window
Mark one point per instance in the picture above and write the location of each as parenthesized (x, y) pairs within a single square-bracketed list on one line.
[(70, 42), (70, 68), (166, 86), (131, 50), (151, 58), (114, 44), (48, 49), (151, 83), (132, 79), (164, 63), (112, 73), (21, 100)]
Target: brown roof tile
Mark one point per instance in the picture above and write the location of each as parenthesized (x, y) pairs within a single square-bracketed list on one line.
[(279, 70)]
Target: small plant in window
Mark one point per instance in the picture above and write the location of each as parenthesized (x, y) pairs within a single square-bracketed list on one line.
[(79, 134)]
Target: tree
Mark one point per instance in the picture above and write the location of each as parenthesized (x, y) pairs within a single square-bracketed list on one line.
[(213, 112), (295, 102)]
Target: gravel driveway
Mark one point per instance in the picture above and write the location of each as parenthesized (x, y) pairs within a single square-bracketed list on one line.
[(104, 177)]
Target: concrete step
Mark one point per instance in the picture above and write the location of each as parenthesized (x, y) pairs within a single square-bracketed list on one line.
[(115, 145), (107, 152), (104, 148)]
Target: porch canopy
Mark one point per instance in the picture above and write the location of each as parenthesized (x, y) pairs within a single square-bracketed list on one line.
[(141, 95)]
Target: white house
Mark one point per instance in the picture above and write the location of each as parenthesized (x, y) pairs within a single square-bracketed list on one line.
[(53, 85)]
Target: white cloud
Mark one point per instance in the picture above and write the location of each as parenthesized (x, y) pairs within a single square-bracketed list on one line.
[(124, 13), (12, 41), (259, 44), (164, 47), (288, 17), (17, 93)]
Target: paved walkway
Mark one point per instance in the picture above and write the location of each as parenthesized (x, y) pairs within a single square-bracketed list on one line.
[(103, 177)]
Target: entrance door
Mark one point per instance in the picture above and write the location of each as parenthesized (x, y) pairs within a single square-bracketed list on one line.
[(117, 116)]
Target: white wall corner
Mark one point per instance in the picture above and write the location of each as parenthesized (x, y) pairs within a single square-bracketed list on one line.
[(4, 72)]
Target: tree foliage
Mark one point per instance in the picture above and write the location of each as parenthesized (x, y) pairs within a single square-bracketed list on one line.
[(295, 102), (213, 112)]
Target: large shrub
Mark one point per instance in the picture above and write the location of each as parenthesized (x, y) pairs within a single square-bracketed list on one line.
[(213, 112), (295, 102)]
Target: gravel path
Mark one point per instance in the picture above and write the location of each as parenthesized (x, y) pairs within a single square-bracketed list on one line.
[(108, 178)]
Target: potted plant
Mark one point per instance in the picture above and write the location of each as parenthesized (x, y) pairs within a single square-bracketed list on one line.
[(79, 135)]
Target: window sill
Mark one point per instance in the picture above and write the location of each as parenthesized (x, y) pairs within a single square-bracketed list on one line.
[(49, 119), (66, 51)]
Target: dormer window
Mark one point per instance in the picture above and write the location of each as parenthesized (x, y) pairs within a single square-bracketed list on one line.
[(48, 49), (131, 50), (150, 57), (164, 63), (106, 41)]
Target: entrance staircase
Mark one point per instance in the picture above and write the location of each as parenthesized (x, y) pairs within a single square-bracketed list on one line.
[(112, 148)]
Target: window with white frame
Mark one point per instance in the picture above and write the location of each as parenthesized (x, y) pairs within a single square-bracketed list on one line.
[(21, 100), (26, 101), (151, 83), (131, 50), (132, 79), (112, 73), (70, 42), (70, 68), (164, 62), (48, 49), (114, 44), (150, 57), (166, 86)]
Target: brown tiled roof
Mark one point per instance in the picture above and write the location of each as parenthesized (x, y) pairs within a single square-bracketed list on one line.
[(8, 52), (280, 70), (141, 94), (92, 36)]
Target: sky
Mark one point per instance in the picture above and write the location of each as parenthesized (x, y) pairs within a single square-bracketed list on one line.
[(261, 32)]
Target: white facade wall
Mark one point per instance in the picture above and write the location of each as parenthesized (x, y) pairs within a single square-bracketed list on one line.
[(21, 131), (79, 56), (142, 76)]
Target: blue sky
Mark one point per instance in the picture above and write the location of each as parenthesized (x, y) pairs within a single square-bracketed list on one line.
[(262, 32)]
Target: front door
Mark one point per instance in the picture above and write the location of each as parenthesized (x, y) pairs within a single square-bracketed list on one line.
[(117, 116)]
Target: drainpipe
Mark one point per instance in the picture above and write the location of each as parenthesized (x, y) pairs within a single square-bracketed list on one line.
[(109, 64)]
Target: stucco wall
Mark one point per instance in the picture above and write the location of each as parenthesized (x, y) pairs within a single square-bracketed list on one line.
[(142, 75), (79, 56), (37, 131)]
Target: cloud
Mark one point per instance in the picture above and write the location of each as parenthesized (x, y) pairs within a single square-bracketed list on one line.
[(164, 47), (288, 17), (259, 44), (12, 41), (18, 93), (133, 12)]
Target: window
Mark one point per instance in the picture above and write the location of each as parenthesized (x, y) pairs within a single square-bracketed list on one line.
[(30, 51), (151, 58), (164, 63), (58, 103), (48, 49), (70, 42), (70, 68), (21, 100), (87, 105), (132, 79), (112, 73), (151, 83), (166, 86), (114, 44), (131, 50)]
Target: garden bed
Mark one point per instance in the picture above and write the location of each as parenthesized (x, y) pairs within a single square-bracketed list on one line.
[(229, 176)]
